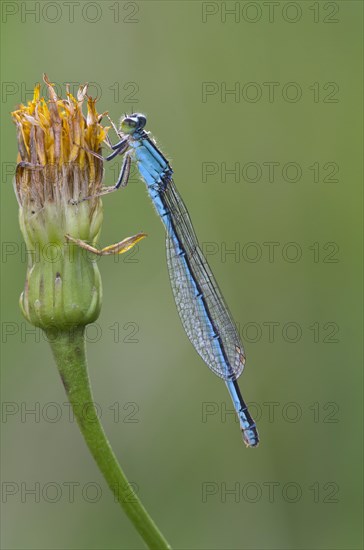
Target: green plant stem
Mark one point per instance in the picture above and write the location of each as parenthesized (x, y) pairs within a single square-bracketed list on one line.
[(69, 351)]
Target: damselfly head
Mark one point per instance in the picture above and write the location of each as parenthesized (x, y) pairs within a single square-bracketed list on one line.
[(129, 124)]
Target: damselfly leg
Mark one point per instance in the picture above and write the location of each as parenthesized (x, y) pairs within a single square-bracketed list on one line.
[(123, 178)]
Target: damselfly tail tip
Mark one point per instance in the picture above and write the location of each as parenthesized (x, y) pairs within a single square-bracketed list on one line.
[(250, 437)]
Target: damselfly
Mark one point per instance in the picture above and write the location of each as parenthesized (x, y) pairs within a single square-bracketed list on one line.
[(201, 307)]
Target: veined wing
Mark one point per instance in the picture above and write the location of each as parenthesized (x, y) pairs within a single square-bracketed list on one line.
[(204, 314)]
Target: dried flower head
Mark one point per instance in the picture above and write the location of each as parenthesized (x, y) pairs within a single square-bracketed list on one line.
[(58, 162), (58, 148)]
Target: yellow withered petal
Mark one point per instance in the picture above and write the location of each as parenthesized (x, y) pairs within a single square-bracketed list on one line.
[(65, 128), (56, 132), (113, 249)]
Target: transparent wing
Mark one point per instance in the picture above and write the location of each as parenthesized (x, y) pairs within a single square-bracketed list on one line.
[(204, 314)]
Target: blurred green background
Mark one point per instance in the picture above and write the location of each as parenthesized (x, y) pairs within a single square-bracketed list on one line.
[(301, 488)]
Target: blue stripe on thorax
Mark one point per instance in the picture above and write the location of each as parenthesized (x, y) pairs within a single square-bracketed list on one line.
[(150, 162)]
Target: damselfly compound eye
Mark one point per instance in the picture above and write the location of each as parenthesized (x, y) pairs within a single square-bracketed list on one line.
[(142, 120), (128, 124)]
